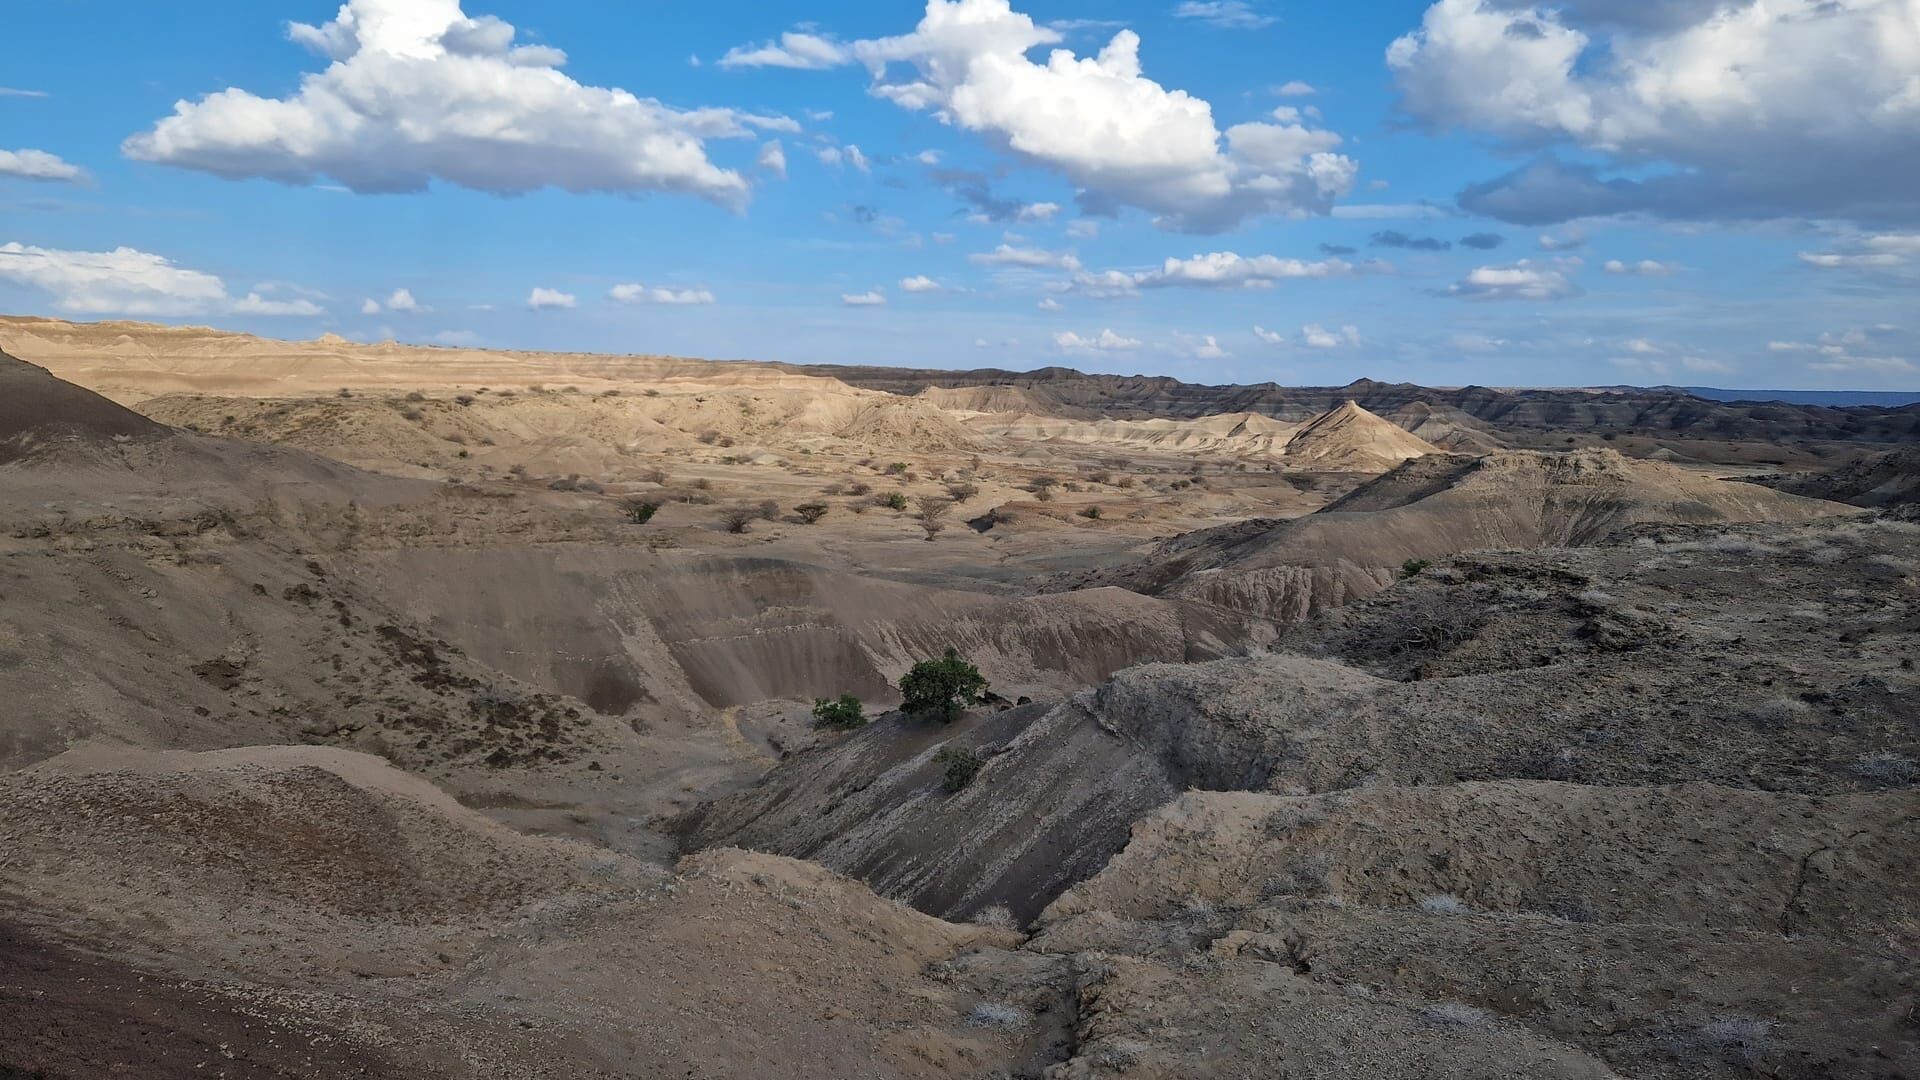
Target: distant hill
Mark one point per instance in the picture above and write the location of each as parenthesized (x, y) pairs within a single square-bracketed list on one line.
[(1888, 399)]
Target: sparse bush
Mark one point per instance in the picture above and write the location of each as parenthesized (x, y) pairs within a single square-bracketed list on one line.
[(651, 392), (999, 916), (345, 393), (656, 476), (842, 714), (769, 510), (708, 438), (640, 511), (570, 482), (1091, 513), (997, 1016), (739, 519), (933, 511), (811, 512), (1099, 476), (415, 395), (859, 489), (1454, 1014), (1886, 769), (463, 400), (897, 468), (1444, 904), (961, 492), (959, 767), (1414, 567), (701, 484), (1044, 495), (892, 500), (519, 471), (943, 687)]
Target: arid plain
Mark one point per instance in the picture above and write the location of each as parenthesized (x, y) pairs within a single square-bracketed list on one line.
[(374, 710)]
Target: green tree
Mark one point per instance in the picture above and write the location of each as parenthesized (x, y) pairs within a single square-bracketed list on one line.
[(944, 687), (844, 714)]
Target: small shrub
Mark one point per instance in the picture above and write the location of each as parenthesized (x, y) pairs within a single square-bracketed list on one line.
[(892, 500), (708, 438), (1091, 513), (739, 519), (959, 767), (701, 484), (656, 476), (933, 514), (463, 400), (999, 916), (944, 687), (640, 511), (345, 393), (415, 395), (859, 489), (997, 1016), (1444, 904), (648, 392), (1886, 769), (897, 468), (768, 510), (1414, 567), (961, 492), (811, 513), (842, 714)]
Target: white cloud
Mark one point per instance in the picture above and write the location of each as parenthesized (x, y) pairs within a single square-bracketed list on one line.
[(1120, 137), (795, 49), (551, 300), (1854, 352), (1226, 269), (1895, 243), (641, 294), (417, 91), (1524, 280), (1643, 268), (1756, 108), (1315, 336), (126, 281), (1104, 341), (369, 306), (1224, 14), (8, 91), (920, 283), (848, 155), (1295, 88), (1572, 240), (1050, 305), (1836, 261), (1271, 337), (1083, 229), (1389, 211), (773, 158), (870, 298), (402, 300), (1027, 258), (39, 165), (255, 304), (1209, 348)]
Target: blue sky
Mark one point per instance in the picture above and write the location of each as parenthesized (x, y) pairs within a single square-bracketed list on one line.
[(1471, 191)]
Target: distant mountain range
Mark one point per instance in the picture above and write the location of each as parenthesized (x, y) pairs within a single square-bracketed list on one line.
[(1890, 399)]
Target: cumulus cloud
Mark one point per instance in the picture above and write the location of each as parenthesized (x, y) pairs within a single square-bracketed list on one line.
[(870, 298), (1855, 352), (795, 49), (1229, 270), (1296, 88), (1524, 280), (640, 294), (398, 300), (418, 91), (126, 281), (1642, 268), (1027, 258), (1121, 138), (773, 158), (1050, 305), (551, 300), (1315, 336), (1209, 348), (1224, 14), (920, 283), (39, 165), (1271, 337), (1104, 341), (844, 155), (1744, 110)]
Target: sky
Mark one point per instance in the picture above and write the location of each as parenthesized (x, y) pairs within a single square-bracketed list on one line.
[(1596, 192)]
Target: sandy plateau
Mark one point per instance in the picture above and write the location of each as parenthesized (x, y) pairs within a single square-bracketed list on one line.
[(383, 711)]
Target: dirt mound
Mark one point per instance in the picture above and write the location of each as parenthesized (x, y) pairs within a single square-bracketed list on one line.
[(1352, 439), (1883, 480), (991, 399), (1435, 506), (40, 414)]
